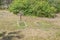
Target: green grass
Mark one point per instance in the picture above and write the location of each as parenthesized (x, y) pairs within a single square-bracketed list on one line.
[(21, 25)]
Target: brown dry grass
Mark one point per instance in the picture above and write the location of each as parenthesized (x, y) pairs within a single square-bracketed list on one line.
[(7, 20), (35, 28)]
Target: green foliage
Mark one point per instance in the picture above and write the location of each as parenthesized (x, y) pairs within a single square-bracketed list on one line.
[(55, 3), (33, 7)]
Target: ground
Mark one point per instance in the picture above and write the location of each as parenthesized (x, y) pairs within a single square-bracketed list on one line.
[(32, 28)]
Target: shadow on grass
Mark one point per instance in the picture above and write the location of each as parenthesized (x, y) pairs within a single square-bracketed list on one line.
[(10, 36)]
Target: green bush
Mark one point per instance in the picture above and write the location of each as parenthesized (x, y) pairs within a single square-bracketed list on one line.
[(55, 3), (33, 7)]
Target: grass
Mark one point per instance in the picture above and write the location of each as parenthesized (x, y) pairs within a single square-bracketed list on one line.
[(40, 28), (45, 24), (7, 21), (41, 23), (21, 25)]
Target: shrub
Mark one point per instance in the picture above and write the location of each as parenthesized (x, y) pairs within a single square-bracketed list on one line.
[(55, 3), (33, 7)]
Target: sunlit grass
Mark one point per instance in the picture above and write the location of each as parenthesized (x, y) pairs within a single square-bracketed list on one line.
[(10, 23)]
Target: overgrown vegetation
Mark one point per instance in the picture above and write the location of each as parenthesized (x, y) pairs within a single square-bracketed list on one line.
[(55, 3), (41, 8)]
